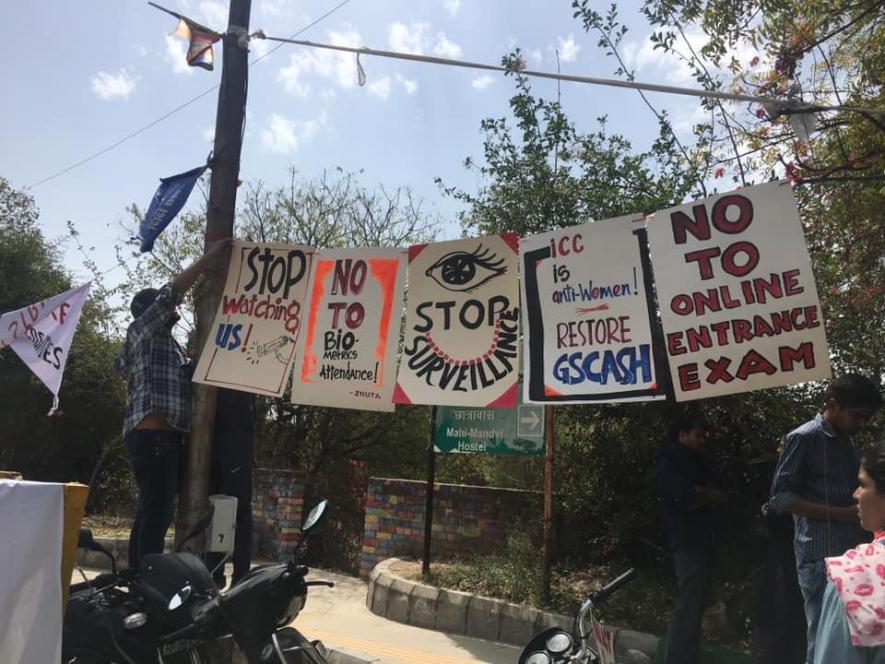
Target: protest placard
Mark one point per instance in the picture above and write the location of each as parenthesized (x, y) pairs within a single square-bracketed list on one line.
[(251, 345), (41, 335), (462, 324), (347, 353), (588, 314), (738, 302)]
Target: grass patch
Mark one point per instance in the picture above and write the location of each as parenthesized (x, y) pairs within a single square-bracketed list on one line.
[(516, 575)]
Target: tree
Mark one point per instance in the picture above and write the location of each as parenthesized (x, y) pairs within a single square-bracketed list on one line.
[(65, 447), (543, 174)]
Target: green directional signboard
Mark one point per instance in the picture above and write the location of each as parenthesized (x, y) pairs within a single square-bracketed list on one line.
[(517, 430)]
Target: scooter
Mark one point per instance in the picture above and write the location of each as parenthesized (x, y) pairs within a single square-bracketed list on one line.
[(170, 611), (557, 646)]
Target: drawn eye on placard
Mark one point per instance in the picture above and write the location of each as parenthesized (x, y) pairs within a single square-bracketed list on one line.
[(463, 271)]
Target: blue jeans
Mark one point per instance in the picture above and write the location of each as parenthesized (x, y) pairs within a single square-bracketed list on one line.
[(812, 581), (154, 457), (694, 577)]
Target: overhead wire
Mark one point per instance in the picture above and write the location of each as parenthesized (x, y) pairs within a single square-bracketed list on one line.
[(178, 108), (786, 106)]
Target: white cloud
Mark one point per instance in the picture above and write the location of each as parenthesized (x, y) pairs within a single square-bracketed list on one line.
[(176, 53), (381, 87), (452, 6), (214, 13), (410, 85), (445, 48), (408, 38), (536, 55), (417, 40), (340, 68), (482, 82), (271, 7), (108, 86), (208, 134), (141, 50), (284, 135), (568, 49), (642, 56)]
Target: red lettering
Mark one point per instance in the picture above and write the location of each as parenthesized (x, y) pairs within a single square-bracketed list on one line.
[(703, 258), (791, 283), (681, 305), (718, 370), (698, 337), (674, 343), (742, 330), (804, 353), (720, 214), (753, 363), (699, 226), (688, 377), (728, 258)]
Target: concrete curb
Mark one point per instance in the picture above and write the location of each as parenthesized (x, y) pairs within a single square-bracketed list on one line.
[(455, 612)]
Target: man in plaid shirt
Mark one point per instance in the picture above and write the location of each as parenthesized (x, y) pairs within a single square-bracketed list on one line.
[(158, 405)]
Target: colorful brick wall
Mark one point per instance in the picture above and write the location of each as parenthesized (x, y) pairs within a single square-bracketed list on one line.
[(465, 519), (277, 504)]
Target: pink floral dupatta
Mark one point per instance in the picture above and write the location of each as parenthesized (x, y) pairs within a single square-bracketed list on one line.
[(859, 578)]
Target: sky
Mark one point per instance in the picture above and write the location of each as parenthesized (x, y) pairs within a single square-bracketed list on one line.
[(79, 76)]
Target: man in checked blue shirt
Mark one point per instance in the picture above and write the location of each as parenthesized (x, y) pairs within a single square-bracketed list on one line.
[(158, 413), (814, 481)]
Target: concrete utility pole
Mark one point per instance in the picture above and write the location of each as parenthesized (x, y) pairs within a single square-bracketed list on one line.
[(192, 502)]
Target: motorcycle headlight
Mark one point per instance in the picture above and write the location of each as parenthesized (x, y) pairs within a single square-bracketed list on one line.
[(559, 643), (294, 608), (538, 658)]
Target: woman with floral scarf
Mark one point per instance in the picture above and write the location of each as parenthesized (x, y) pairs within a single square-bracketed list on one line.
[(852, 621)]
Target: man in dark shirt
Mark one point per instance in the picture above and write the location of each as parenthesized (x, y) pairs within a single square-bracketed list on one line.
[(157, 416), (684, 487), (815, 480)]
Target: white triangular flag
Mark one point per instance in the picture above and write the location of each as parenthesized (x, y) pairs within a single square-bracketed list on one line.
[(41, 335)]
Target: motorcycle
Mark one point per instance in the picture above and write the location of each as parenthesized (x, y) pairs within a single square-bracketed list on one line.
[(557, 646), (170, 612)]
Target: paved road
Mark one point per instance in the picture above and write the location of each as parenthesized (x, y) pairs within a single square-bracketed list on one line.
[(339, 617)]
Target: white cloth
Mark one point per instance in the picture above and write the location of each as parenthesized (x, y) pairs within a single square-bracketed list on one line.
[(31, 531)]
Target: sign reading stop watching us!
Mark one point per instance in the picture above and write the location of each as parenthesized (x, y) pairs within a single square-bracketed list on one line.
[(737, 297), (251, 345)]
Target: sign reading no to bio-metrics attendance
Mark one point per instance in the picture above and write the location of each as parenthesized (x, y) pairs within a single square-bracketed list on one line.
[(468, 430)]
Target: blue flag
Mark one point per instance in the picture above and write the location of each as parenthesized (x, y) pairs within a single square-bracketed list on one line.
[(171, 196)]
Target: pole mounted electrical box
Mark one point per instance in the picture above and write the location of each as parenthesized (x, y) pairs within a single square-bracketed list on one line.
[(221, 533)]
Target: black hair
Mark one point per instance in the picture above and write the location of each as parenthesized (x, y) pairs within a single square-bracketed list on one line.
[(686, 420), (142, 301), (873, 463), (853, 391)]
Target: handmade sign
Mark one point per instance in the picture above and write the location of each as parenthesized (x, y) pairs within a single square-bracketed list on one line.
[(588, 314), (252, 343), (462, 324), (348, 351), (41, 335), (738, 302)]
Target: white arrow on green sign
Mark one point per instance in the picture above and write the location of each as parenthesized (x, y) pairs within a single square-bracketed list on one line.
[(517, 430)]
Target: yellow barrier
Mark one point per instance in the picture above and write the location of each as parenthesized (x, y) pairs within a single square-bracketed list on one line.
[(75, 505)]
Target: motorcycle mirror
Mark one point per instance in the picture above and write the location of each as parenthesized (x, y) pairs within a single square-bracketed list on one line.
[(180, 598), (315, 515)]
